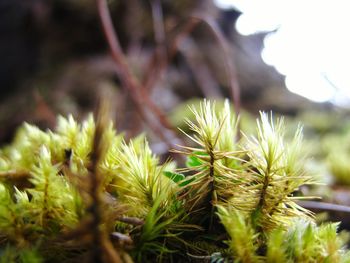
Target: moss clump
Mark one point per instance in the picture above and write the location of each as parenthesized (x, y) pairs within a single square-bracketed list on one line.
[(82, 192)]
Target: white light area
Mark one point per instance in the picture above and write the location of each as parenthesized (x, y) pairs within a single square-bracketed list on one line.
[(224, 4), (260, 11), (313, 85), (310, 45)]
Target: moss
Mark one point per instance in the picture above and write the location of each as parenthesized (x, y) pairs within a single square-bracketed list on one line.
[(81, 192)]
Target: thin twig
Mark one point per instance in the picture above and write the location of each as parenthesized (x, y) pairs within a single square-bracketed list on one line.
[(213, 199), (159, 33), (322, 206), (14, 175), (201, 72), (103, 250), (131, 220), (229, 66), (138, 94), (95, 182), (159, 60), (199, 257), (153, 71), (113, 42)]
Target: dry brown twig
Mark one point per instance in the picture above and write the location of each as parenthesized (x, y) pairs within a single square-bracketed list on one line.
[(201, 72), (228, 58), (153, 70), (196, 19), (103, 250), (158, 63), (159, 33), (162, 126)]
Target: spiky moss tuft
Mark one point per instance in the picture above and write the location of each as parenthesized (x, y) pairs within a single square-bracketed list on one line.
[(82, 190)]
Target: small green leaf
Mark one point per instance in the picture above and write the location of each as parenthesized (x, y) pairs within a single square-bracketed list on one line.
[(174, 176), (193, 160), (186, 181), (255, 216), (180, 179)]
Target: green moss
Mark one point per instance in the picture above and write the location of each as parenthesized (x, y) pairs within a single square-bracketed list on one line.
[(82, 192)]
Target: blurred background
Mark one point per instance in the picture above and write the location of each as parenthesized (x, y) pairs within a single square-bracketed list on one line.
[(56, 59), (290, 57)]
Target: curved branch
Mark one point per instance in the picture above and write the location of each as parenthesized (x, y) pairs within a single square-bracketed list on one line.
[(229, 65), (155, 72), (129, 82)]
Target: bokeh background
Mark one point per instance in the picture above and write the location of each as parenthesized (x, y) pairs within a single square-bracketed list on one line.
[(55, 53)]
